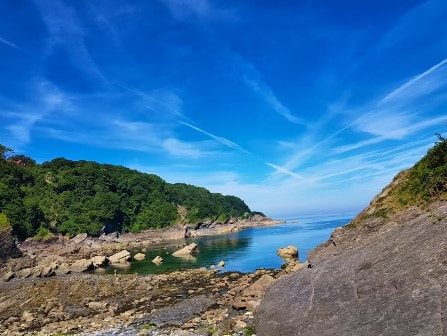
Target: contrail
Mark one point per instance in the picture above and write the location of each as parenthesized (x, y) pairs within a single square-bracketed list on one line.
[(412, 81), (13, 45), (234, 145), (383, 100)]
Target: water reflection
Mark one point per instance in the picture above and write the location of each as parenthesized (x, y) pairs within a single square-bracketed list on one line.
[(243, 251)]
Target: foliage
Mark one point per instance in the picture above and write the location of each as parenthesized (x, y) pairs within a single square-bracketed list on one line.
[(249, 331), (427, 180), (4, 222), (72, 197), (43, 233)]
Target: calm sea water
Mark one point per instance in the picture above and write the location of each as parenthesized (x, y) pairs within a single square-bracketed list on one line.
[(244, 251)]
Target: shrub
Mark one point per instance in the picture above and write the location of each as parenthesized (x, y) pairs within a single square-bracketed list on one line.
[(4, 222)]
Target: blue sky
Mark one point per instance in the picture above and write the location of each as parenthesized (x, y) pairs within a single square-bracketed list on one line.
[(297, 107)]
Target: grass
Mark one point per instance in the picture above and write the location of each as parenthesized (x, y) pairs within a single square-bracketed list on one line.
[(4, 222), (249, 331)]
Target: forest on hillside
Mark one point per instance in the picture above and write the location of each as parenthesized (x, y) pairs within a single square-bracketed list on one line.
[(71, 197)]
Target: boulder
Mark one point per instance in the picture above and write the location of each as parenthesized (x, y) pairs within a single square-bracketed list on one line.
[(288, 253), (157, 260), (120, 257), (221, 264), (81, 265), (187, 250), (139, 256), (98, 261), (8, 248)]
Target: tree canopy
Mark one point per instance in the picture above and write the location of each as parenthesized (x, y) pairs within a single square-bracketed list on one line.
[(70, 197)]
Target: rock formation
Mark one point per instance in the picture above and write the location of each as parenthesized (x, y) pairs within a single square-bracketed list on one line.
[(157, 260), (120, 257), (8, 248), (187, 250), (384, 277), (139, 256)]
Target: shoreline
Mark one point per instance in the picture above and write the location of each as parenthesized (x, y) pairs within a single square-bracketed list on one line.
[(128, 304), (60, 255)]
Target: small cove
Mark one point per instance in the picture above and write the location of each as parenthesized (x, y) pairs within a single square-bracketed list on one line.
[(243, 251)]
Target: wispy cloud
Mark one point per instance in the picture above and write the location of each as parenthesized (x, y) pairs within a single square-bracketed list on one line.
[(269, 96), (220, 139), (385, 117), (12, 45), (23, 117), (66, 30), (161, 101), (176, 147), (196, 9), (409, 85)]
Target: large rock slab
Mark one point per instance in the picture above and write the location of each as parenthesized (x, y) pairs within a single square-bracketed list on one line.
[(392, 283), (120, 257), (181, 312), (187, 250)]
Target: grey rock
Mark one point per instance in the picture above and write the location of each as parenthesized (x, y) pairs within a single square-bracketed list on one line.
[(8, 248), (179, 313), (389, 281)]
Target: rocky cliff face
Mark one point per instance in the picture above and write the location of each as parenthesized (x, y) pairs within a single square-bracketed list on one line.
[(383, 277), (8, 248)]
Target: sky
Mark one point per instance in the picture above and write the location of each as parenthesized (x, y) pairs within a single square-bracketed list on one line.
[(297, 107)]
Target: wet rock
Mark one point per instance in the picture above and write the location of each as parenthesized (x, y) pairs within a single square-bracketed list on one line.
[(157, 260), (221, 264), (120, 257), (187, 250), (139, 256), (179, 313)]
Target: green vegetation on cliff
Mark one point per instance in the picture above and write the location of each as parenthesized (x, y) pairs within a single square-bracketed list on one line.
[(425, 182), (71, 197)]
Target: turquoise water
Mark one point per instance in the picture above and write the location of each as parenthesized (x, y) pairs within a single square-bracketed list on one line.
[(243, 251)]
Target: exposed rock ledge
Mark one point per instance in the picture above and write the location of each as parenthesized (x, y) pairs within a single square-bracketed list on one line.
[(385, 278)]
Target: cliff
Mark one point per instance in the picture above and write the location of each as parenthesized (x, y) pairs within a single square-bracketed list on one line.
[(383, 274)]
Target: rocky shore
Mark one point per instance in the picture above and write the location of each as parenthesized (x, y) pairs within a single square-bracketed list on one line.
[(60, 255), (45, 290)]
